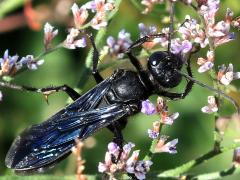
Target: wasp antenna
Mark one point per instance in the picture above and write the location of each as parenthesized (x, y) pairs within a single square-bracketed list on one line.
[(211, 89), (171, 24)]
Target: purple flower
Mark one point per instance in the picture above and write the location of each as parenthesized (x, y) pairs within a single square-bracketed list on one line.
[(148, 108), (178, 46), (138, 168), (9, 64), (126, 163), (118, 47), (152, 134), (146, 30), (31, 63)]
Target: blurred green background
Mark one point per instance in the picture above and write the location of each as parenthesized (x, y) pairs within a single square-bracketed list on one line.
[(18, 110)]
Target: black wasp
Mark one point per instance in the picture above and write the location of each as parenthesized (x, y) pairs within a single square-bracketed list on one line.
[(106, 105)]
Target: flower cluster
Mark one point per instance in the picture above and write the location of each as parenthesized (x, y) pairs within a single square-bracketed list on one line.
[(74, 40), (99, 7), (125, 163), (117, 47), (11, 64), (162, 109)]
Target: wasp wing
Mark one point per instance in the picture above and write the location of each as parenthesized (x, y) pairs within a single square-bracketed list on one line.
[(45, 144)]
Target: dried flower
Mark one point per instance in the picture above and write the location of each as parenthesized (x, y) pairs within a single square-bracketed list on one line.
[(118, 47), (169, 147), (226, 74), (49, 34), (148, 108), (211, 107), (73, 40), (206, 64), (77, 151)]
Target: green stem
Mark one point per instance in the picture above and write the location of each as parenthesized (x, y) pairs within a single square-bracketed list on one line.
[(176, 172), (7, 6), (151, 151), (217, 175)]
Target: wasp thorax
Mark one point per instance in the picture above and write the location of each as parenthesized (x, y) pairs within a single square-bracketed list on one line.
[(162, 66)]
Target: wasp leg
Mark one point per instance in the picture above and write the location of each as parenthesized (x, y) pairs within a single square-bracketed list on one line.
[(144, 39), (98, 78), (116, 129), (46, 91), (188, 88)]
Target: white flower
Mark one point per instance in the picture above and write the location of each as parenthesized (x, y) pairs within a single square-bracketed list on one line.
[(211, 107)]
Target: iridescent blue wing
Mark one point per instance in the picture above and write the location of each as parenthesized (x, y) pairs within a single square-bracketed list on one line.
[(45, 144)]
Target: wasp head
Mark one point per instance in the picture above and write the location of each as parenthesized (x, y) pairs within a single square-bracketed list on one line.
[(163, 65)]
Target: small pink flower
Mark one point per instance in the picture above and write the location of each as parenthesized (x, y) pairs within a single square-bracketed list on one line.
[(169, 147), (80, 15), (49, 34), (211, 107), (206, 64), (226, 74), (169, 119)]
